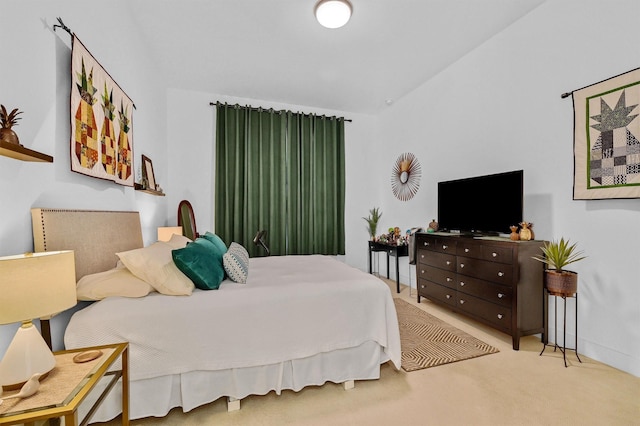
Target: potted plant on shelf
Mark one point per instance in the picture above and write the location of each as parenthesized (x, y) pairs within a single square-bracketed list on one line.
[(557, 255), (7, 121), (372, 222)]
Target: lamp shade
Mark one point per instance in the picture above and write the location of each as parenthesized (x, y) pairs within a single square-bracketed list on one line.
[(333, 13), (36, 285), (165, 232), (32, 286)]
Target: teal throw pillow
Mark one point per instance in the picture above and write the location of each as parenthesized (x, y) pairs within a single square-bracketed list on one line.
[(201, 261), (236, 263), (217, 241)]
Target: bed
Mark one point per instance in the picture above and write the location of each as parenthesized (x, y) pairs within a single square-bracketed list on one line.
[(297, 321)]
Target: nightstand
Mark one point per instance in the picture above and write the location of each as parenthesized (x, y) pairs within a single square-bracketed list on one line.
[(68, 385)]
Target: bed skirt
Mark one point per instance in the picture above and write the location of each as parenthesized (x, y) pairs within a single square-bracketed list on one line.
[(155, 397)]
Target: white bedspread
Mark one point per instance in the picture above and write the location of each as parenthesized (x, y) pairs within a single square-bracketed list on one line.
[(291, 307)]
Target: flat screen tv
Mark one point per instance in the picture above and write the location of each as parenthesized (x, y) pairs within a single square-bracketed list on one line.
[(481, 205)]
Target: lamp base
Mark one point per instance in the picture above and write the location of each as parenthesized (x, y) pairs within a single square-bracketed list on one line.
[(18, 386), (26, 355)]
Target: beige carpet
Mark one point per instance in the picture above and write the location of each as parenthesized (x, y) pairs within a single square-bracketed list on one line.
[(428, 341)]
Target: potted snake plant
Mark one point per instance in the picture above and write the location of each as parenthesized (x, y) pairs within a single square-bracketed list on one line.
[(557, 255)]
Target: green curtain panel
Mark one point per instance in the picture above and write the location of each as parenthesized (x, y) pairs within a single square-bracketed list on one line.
[(316, 185), (283, 172), (250, 153)]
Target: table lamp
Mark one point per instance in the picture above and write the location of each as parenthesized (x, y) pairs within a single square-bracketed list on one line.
[(32, 285), (165, 232)]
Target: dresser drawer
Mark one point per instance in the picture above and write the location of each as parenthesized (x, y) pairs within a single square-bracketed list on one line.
[(497, 315), (433, 291), (500, 273), (426, 243), (491, 292), (439, 276), (496, 254), (439, 244), (438, 260), (445, 245), (469, 248), (422, 255)]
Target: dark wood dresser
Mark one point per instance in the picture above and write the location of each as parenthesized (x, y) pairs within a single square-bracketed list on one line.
[(492, 280)]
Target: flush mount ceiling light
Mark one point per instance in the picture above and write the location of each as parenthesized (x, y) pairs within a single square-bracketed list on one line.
[(333, 13)]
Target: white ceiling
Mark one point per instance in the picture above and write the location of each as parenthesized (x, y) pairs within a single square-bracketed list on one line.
[(274, 50)]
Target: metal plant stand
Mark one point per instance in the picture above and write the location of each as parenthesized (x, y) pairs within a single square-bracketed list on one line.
[(555, 345)]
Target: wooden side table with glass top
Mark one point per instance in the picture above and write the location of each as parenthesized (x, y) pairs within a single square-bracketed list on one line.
[(68, 385)]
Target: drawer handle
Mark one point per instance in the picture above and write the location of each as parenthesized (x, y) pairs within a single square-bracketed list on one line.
[(461, 283), (500, 295), (421, 285), (462, 265), (462, 301), (448, 262), (449, 279), (499, 316), (466, 250), (501, 274), (448, 296), (444, 247), (494, 254), (426, 244), (422, 256), (422, 272)]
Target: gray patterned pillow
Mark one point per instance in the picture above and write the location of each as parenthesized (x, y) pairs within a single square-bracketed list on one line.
[(236, 263)]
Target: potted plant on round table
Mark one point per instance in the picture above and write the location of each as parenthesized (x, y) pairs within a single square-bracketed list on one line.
[(557, 255)]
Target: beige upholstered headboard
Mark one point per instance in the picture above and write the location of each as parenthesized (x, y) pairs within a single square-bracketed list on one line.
[(95, 236)]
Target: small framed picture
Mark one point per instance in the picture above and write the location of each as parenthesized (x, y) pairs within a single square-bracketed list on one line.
[(147, 173)]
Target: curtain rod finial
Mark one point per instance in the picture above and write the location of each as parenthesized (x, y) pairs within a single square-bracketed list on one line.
[(565, 95), (62, 25)]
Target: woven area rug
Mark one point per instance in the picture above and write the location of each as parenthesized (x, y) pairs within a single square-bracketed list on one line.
[(427, 341)]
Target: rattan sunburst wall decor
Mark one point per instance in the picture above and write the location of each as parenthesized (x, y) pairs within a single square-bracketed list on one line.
[(405, 177)]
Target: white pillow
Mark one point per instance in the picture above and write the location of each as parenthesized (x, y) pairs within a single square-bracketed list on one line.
[(114, 282), (236, 263), (154, 265), (178, 241)]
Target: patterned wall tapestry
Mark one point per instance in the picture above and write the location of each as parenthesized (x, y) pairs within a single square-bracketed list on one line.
[(101, 121), (607, 138)]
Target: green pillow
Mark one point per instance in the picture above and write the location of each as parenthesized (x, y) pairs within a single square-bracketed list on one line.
[(217, 241), (201, 261)]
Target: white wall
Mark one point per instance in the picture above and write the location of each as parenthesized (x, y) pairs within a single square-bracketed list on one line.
[(35, 77), (499, 109)]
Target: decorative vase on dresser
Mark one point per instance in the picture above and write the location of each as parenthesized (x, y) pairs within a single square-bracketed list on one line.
[(495, 281)]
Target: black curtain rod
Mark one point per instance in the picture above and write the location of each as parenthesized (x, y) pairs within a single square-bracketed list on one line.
[(567, 94), (267, 109), (67, 29)]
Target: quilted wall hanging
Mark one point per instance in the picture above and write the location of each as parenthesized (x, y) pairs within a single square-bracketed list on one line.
[(101, 121), (607, 138)]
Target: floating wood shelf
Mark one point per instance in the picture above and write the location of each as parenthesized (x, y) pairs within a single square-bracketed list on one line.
[(139, 187), (19, 152)]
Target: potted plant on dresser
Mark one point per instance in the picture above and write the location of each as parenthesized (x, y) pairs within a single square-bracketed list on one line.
[(557, 255)]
